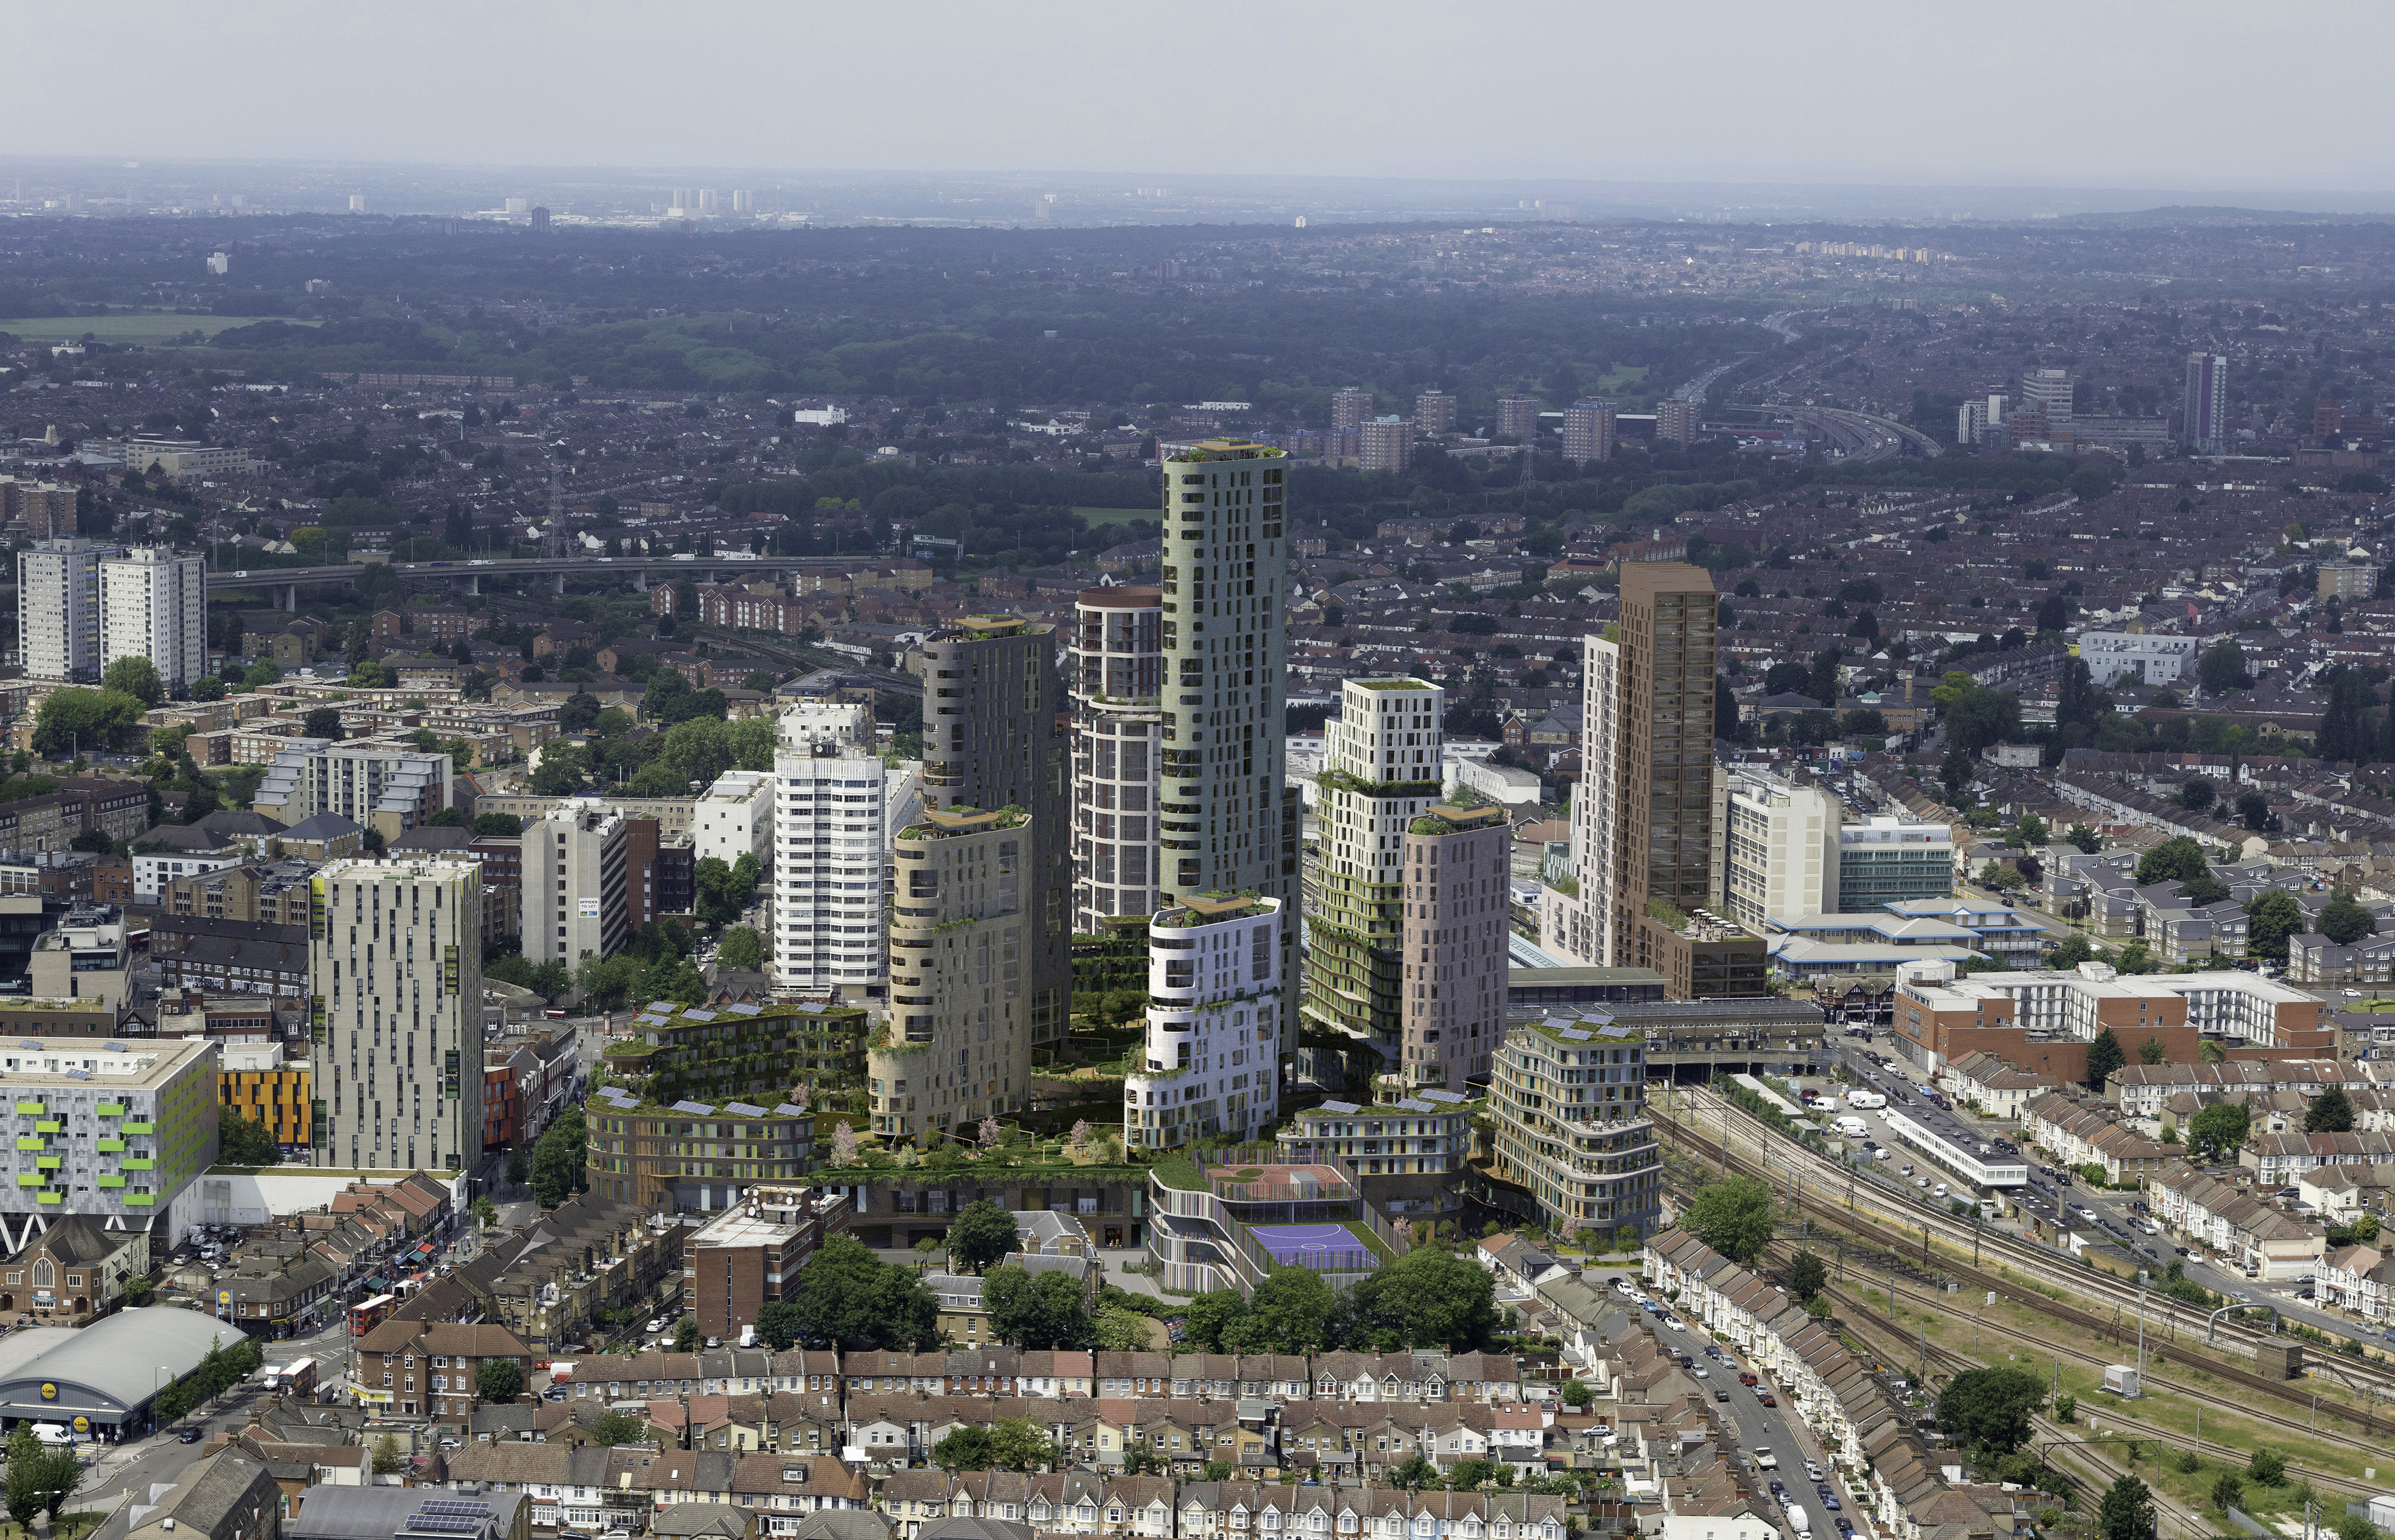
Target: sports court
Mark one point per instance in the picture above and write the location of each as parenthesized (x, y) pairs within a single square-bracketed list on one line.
[(1325, 1248)]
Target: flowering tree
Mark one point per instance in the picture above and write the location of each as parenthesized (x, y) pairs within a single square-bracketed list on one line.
[(1080, 1133), (988, 1134), (843, 1145), (801, 1093)]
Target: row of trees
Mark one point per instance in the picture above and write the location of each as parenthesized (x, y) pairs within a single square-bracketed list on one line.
[(557, 1160), (1426, 1299)]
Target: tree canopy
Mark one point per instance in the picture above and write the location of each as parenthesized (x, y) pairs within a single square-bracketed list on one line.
[(1040, 1310), (1733, 1216), (2330, 1112), (137, 676), (2178, 860), (982, 1234), (2271, 918), (1991, 1409), (850, 1299), (498, 1380), (2343, 921), (2217, 1132), (2104, 1055)]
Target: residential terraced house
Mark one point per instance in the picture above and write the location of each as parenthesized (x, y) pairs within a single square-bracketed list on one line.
[(588, 1255), (2077, 1134), (2227, 1214)]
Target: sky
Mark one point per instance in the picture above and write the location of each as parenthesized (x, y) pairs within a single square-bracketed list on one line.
[(2198, 94)]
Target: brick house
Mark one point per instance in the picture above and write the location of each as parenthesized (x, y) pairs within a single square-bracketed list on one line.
[(420, 1369)]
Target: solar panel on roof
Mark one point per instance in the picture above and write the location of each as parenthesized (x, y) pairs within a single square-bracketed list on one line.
[(1612, 1031), (668, 1006), (744, 1110), (78, 1074), (115, 1048), (743, 1009), (700, 1107), (787, 1110), (1442, 1097), (1574, 1033), (28, 1043), (1343, 1108), (698, 1016), (1556, 1021), (812, 1007), (1410, 1105)]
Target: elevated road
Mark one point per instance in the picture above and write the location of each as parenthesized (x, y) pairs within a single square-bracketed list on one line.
[(1866, 435), (284, 582)]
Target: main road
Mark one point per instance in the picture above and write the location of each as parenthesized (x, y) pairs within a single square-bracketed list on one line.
[(1866, 435), (510, 566)]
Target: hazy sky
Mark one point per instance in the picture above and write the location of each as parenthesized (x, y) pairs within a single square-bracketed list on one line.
[(2195, 94)]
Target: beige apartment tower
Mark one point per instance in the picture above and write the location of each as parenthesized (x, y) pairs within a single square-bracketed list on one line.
[(575, 862), (994, 737), (1116, 670), (1229, 819), (1454, 945)]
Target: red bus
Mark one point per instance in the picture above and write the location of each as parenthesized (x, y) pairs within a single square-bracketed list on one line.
[(366, 1317)]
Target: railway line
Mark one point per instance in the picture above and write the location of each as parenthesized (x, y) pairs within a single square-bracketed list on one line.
[(1783, 1161), (2376, 1422)]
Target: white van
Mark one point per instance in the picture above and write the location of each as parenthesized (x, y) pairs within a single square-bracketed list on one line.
[(1865, 1100), (1852, 1127), (53, 1433)]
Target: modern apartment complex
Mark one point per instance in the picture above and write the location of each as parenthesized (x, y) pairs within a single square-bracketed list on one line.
[(1230, 818), (1573, 1136), (575, 889), (114, 1131), (993, 737), (1213, 1058), (1381, 771), (2050, 390), (1588, 431), (395, 969), (1453, 940), (58, 608), (1575, 921), (388, 785), (154, 604), (1782, 847), (964, 933), (1117, 672), (830, 835), (2150, 657), (2204, 413), (735, 819)]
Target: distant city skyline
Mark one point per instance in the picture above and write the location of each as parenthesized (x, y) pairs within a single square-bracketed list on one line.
[(1865, 93)]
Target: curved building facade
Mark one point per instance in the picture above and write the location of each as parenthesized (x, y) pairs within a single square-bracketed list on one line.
[(1117, 668)]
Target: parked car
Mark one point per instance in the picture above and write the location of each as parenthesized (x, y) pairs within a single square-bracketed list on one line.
[(189, 1435)]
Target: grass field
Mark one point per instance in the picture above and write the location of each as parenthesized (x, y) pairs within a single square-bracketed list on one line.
[(1621, 375), (130, 329), (1115, 515)]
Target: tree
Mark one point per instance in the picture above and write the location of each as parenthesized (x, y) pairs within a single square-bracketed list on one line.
[(2032, 830), (74, 721), (500, 1380), (324, 722), (1806, 1274), (1413, 1472), (557, 1160), (1733, 1216), (2219, 1131), (966, 1449), (1292, 1309), (1016, 1443), (1208, 1315), (2104, 1055), (2152, 1052), (2086, 838), (1117, 1330), (2196, 793), (2272, 917), (1955, 773), (2178, 860), (2222, 667), (2343, 921), (23, 1493), (387, 1457), (498, 825), (851, 1300), (519, 1169), (1425, 1299), (686, 1334), (981, 1235), (2075, 949), (741, 948), (1577, 1394), (1990, 1408), (1040, 1311), (134, 675), (2127, 1512), (2227, 1490), (2254, 811), (2331, 1112), (2267, 1465), (2002, 878), (61, 1474), (94, 840), (245, 1142)]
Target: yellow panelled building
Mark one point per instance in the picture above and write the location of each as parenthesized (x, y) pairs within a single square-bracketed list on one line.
[(260, 1084)]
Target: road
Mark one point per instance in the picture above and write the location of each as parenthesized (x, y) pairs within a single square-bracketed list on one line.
[(527, 566), (1865, 436)]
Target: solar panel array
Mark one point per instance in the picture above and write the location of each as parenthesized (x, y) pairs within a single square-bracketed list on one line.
[(787, 1110), (1342, 1108), (1410, 1105), (744, 1110), (455, 1509), (1443, 1097), (700, 1107), (1574, 1033), (698, 1016), (743, 1009), (115, 1048), (1609, 1030), (444, 1524)]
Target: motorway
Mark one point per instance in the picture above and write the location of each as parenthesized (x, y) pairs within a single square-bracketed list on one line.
[(1865, 436), (503, 567)]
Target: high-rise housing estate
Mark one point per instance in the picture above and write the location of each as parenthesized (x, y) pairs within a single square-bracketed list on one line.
[(1588, 431), (1452, 938), (1229, 818), (575, 893), (1388, 443), (830, 833), (1970, 421), (1381, 770), (47, 508), (1434, 412), (384, 784), (2204, 414), (1576, 923), (1675, 421), (154, 604), (743, 201), (58, 608), (1781, 861), (1572, 1129), (1351, 407), (1517, 418), (1212, 1064), (2049, 390), (1648, 867), (965, 926), (395, 979), (994, 737), (1116, 671)]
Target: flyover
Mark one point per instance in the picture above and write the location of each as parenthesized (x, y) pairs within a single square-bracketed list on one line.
[(1866, 435), (283, 583)]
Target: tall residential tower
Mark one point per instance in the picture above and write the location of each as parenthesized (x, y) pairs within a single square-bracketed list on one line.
[(830, 830), (1229, 818), (2204, 411), (58, 608), (154, 604), (1116, 673)]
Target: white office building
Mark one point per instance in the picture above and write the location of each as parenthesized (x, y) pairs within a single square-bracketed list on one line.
[(576, 904), (154, 604), (1783, 861), (58, 608), (831, 844), (395, 976), (1210, 1069), (2051, 390), (2111, 656), (735, 819)]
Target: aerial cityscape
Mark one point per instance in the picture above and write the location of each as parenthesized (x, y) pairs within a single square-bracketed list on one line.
[(747, 819)]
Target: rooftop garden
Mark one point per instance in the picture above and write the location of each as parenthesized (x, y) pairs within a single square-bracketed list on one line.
[(1340, 780), (941, 823), (1389, 684)]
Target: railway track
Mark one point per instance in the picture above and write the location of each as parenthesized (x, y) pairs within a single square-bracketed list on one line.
[(2375, 1424), (1820, 1175)]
